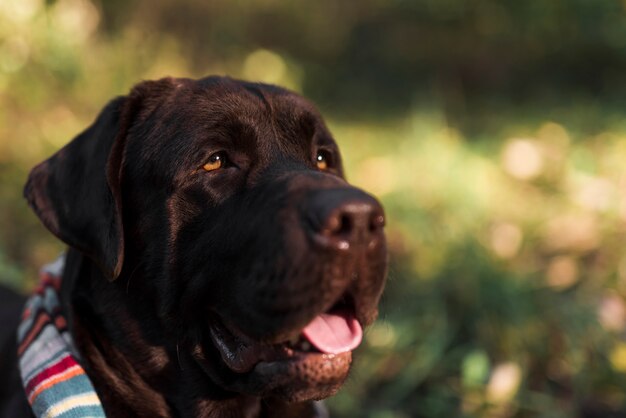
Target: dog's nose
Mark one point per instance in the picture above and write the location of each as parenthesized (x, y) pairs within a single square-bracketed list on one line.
[(355, 219)]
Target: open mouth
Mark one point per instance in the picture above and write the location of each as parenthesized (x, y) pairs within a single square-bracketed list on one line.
[(327, 341)]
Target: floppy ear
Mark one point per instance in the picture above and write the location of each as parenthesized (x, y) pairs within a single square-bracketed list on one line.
[(76, 192)]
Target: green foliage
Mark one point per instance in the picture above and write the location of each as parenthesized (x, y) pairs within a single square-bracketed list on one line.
[(493, 131)]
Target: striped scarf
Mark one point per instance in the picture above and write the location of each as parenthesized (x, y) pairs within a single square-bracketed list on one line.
[(55, 383)]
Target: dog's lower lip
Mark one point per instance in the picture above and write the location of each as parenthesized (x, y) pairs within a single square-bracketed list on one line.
[(330, 360), (241, 354)]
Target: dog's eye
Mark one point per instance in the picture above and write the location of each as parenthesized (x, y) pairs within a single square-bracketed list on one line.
[(215, 162), (323, 159)]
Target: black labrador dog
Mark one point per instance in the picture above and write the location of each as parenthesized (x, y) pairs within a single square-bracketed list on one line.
[(219, 264)]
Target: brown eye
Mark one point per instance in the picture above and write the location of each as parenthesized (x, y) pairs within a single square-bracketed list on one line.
[(323, 159), (215, 162)]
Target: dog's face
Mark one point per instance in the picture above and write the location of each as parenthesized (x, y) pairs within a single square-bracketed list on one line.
[(231, 195)]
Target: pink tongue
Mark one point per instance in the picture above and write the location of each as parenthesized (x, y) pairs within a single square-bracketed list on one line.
[(334, 333)]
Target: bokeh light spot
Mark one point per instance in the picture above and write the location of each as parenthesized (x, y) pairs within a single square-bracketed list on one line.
[(593, 193), (522, 159), (573, 231), (562, 272), (618, 357), (78, 18), (612, 312), (475, 368), (265, 66), (504, 383), (506, 239), (19, 11)]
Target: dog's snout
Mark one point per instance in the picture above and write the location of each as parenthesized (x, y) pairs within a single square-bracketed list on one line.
[(347, 219)]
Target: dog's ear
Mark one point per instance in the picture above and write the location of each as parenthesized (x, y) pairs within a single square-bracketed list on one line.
[(76, 192)]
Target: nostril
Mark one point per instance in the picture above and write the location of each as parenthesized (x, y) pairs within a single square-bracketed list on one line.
[(339, 225), (345, 225), (377, 222), (346, 221)]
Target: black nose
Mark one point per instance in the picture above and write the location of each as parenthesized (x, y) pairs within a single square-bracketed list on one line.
[(346, 218)]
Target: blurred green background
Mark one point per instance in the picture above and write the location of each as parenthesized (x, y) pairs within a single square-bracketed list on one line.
[(493, 131)]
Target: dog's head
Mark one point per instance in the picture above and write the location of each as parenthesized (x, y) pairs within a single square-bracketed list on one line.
[(230, 198)]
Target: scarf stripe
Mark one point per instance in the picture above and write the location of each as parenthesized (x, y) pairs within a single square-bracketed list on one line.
[(60, 371), (54, 382), (79, 405), (45, 363)]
